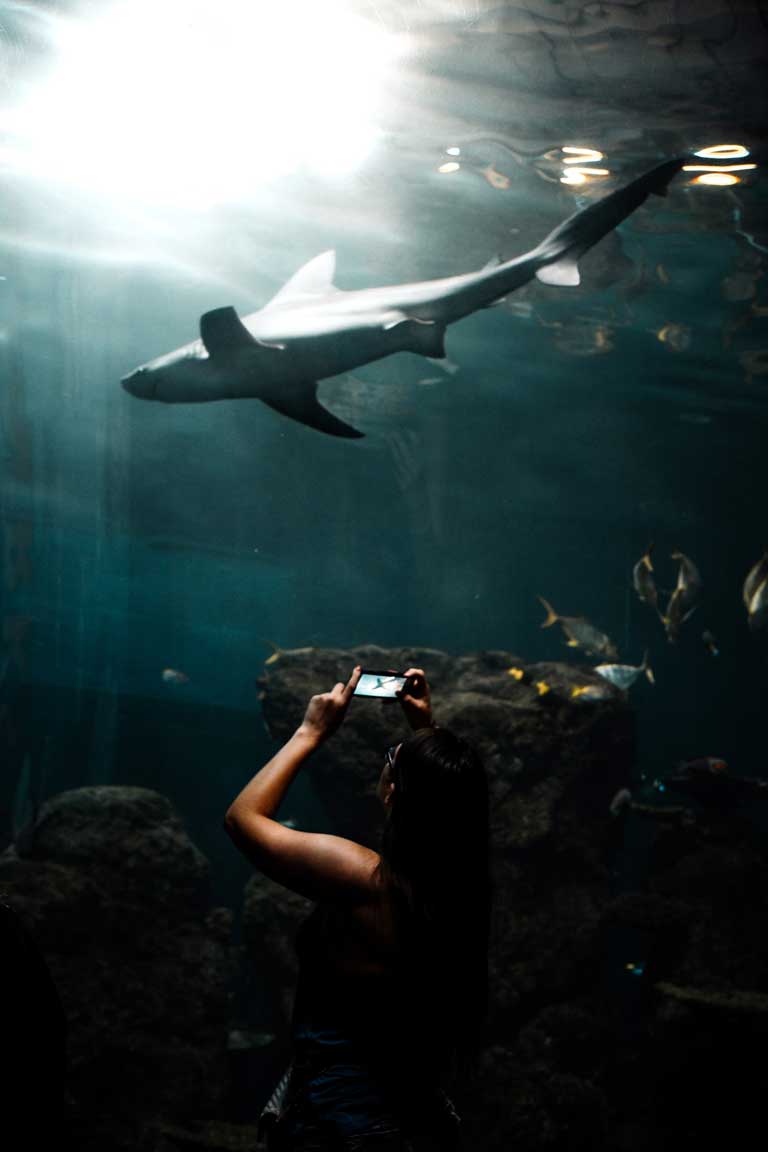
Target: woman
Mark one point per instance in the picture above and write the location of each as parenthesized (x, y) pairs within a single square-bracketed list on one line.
[(392, 988)]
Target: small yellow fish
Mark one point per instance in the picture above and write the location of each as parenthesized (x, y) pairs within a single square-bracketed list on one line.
[(516, 673), (542, 687), (675, 336), (276, 653), (590, 692)]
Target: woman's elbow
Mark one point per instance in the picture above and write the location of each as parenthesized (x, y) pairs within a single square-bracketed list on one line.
[(229, 823)]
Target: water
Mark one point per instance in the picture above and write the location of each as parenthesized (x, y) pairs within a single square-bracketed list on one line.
[(570, 428)]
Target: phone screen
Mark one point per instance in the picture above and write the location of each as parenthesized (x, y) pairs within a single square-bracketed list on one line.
[(383, 685)]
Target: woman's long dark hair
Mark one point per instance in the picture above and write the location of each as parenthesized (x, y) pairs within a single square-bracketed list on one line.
[(435, 862)]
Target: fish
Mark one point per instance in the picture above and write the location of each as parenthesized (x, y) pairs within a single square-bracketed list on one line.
[(643, 582), (684, 599), (622, 800), (277, 652), (623, 676), (675, 336), (523, 677), (311, 330), (580, 633), (758, 608), (703, 766), (592, 693), (174, 676), (755, 594), (710, 643)]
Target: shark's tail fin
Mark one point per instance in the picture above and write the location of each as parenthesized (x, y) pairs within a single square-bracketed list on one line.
[(552, 616), (560, 251)]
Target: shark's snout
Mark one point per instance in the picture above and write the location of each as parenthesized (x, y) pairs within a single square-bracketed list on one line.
[(140, 383)]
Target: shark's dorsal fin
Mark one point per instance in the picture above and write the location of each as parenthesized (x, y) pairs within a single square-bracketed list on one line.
[(302, 404), (563, 272), (315, 278), (492, 263), (222, 330)]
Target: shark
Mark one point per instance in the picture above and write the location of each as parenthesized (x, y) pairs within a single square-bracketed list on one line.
[(311, 330)]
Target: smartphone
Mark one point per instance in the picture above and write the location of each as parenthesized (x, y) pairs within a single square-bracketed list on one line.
[(382, 685)]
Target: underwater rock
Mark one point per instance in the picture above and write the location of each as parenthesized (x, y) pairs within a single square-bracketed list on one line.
[(117, 897), (531, 1107), (736, 1000)]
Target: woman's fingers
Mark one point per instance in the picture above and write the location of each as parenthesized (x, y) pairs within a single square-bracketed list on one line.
[(348, 688)]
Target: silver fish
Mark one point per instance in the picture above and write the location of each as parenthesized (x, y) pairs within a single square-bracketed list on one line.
[(685, 598), (758, 607), (755, 593), (580, 633), (623, 676), (643, 582), (622, 800)]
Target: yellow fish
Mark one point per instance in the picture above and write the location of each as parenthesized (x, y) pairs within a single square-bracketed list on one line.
[(590, 692), (675, 336), (516, 673), (276, 653), (542, 687)]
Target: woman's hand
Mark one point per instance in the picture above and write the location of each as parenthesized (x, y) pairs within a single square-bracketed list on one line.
[(325, 712), (415, 700)]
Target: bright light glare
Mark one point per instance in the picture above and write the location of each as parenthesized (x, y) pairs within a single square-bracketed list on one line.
[(720, 167), (720, 178), (190, 103), (723, 152), (451, 166), (581, 175), (453, 151), (576, 155)]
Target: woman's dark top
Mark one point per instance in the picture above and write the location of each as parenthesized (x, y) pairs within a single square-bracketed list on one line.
[(360, 1063)]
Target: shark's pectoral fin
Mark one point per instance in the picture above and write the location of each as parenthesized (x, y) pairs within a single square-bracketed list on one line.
[(563, 272), (304, 406), (222, 330)]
